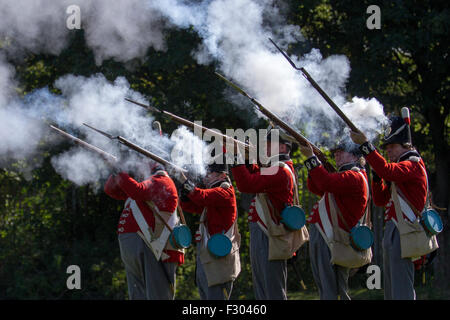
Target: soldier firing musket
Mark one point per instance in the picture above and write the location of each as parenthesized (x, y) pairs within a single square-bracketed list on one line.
[(218, 239), (274, 118), (401, 186), (340, 215), (151, 238)]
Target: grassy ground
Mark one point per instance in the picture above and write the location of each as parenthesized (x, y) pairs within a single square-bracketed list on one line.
[(426, 289), (422, 293)]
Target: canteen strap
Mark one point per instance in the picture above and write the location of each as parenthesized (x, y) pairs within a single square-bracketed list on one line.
[(155, 211), (334, 208), (428, 201), (398, 211), (416, 212), (180, 212), (366, 217)]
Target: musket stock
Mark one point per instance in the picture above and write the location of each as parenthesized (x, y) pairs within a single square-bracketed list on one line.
[(298, 136), (319, 89)]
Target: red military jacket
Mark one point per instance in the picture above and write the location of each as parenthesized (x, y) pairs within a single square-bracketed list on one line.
[(220, 203), (409, 176), (159, 188), (279, 187), (350, 191)]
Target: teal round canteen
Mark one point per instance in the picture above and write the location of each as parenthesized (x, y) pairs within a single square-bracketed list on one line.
[(361, 238), (181, 237), (293, 217), (431, 221), (219, 245)]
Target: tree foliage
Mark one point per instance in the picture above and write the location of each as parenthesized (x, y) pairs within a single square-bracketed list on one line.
[(47, 223)]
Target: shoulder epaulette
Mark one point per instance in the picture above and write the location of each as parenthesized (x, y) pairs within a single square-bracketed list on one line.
[(355, 169), (225, 185), (414, 159), (160, 173)]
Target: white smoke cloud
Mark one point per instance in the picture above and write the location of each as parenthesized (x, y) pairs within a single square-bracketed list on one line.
[(234, 32), (18, 133), (189, 151), (17, 128), (36, 26), (80, 166), (366, 114), (102, 104), (120, 29), (6, 81)]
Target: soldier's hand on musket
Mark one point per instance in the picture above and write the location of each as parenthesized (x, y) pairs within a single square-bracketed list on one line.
[(179, 176), (306, 150), (358, 137), (186, 189)]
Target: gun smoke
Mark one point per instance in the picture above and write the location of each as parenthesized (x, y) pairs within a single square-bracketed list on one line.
[(234, 33)]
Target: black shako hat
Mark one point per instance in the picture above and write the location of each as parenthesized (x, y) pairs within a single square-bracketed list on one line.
[(399, 130), (347, 146)]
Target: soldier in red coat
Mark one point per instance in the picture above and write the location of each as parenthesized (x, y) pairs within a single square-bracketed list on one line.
[(216, 205), (274, 188), (150, 261), (407, 170), (348, 188)]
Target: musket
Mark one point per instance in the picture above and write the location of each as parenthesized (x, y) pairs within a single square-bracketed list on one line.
[(191, 124), (139, 149), (320, 90), (274, 118), (109, 158)]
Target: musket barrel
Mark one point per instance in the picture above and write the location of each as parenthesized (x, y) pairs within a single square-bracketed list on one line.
[(148, 154), (139, 149), (105, 155), (192, 125), (319, 89), (330, 102), (299, 137)]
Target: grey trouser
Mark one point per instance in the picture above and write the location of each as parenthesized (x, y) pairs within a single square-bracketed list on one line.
[(217, 292), (398, 272), (148, 279), (331, 280), (269, 277)]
